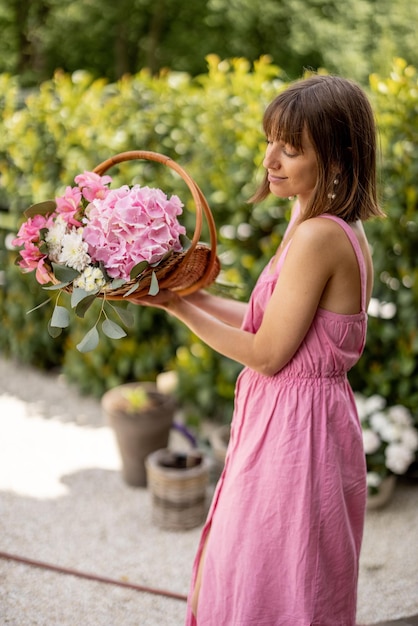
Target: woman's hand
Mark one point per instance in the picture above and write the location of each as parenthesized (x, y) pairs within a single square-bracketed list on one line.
[(162, 300)]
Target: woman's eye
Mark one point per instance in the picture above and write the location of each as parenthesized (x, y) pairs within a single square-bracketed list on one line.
[(289, 152)]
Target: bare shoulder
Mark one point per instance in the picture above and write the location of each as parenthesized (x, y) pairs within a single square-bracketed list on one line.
[(322, 234), (319, 231), (327, 242), (317, 246)]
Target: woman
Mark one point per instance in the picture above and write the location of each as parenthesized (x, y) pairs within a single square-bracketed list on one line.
[(281, 543)]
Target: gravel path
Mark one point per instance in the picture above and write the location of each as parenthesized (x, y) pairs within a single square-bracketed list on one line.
[(63, 502)]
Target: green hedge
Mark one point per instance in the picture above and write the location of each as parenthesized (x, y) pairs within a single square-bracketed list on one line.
[(211, 125), (390, 362)]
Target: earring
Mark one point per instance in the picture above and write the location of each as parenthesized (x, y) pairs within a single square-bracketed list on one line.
[(332, 195)]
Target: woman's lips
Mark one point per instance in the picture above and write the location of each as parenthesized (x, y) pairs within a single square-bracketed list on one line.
[(276, 179)]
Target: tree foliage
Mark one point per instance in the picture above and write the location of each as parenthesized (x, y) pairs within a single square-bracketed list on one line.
[(353, 38)]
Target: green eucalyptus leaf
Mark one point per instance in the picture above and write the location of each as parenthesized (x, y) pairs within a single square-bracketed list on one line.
[(54, 331), (39, 306), (64, 273), (83, 306), (154, 286), (112, 330), (138, 269), (131, 290), (89, 341), (57, 286), (117, 282), (125, 315), (80, 294), (185, 242), (60, 317), (43, 246), (105, 274), (41, 208)]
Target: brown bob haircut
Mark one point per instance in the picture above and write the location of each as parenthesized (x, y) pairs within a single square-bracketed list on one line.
[(339, 120)]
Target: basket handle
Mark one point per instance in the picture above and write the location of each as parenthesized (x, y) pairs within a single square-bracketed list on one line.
[(200, 201)]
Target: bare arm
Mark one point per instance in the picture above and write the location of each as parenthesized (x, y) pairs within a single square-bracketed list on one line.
[(230, 311), (304, 275)]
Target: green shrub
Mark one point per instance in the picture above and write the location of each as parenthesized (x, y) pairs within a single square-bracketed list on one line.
[(390, 363), (211, 125)]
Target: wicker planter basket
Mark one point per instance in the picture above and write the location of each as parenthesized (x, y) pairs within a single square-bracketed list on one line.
[(178, 484), (183, 272)]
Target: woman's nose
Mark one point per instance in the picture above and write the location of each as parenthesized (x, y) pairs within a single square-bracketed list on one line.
[(271, 158)]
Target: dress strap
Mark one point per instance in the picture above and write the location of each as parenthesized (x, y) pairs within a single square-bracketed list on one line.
[(359, 254)]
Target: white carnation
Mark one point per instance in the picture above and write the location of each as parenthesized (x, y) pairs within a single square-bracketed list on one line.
[(54, 238), (74, 251)]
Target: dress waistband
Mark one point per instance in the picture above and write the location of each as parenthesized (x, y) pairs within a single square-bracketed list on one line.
[(301, 378)]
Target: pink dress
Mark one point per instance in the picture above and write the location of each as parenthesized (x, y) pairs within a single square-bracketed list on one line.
[(286, 520)]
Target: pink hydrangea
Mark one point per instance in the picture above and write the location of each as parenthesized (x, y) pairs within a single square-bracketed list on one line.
[(131, 225)]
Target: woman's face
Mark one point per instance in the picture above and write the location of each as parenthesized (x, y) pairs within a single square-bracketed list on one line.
[(291, 172)]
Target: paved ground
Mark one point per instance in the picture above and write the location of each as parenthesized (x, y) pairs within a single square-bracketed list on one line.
[(63, 502)]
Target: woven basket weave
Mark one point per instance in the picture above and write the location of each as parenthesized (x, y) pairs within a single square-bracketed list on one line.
[(178, 495), (183, 272)]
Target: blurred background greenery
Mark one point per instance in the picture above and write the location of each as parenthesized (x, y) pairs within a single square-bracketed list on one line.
[(110, 39), (82, 80)]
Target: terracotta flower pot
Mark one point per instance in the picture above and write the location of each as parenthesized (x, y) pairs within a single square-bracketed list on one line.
[(139, 430)]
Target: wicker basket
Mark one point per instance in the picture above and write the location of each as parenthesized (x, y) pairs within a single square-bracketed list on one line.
[(183, 272), (178, 493)]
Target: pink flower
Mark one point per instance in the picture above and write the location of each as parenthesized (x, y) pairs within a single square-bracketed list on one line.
[(29, 231), (132, 225), (69, 204), (30, 256), (42, 275), (119, 228), (92, 185)]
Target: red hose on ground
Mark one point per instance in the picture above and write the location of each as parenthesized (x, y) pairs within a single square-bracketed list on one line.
[(95, 577)]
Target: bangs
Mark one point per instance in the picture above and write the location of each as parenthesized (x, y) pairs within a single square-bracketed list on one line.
[(283, 121)]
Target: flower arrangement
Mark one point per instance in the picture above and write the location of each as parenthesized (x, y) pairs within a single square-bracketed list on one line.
[(92, 241), (389, 437)]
